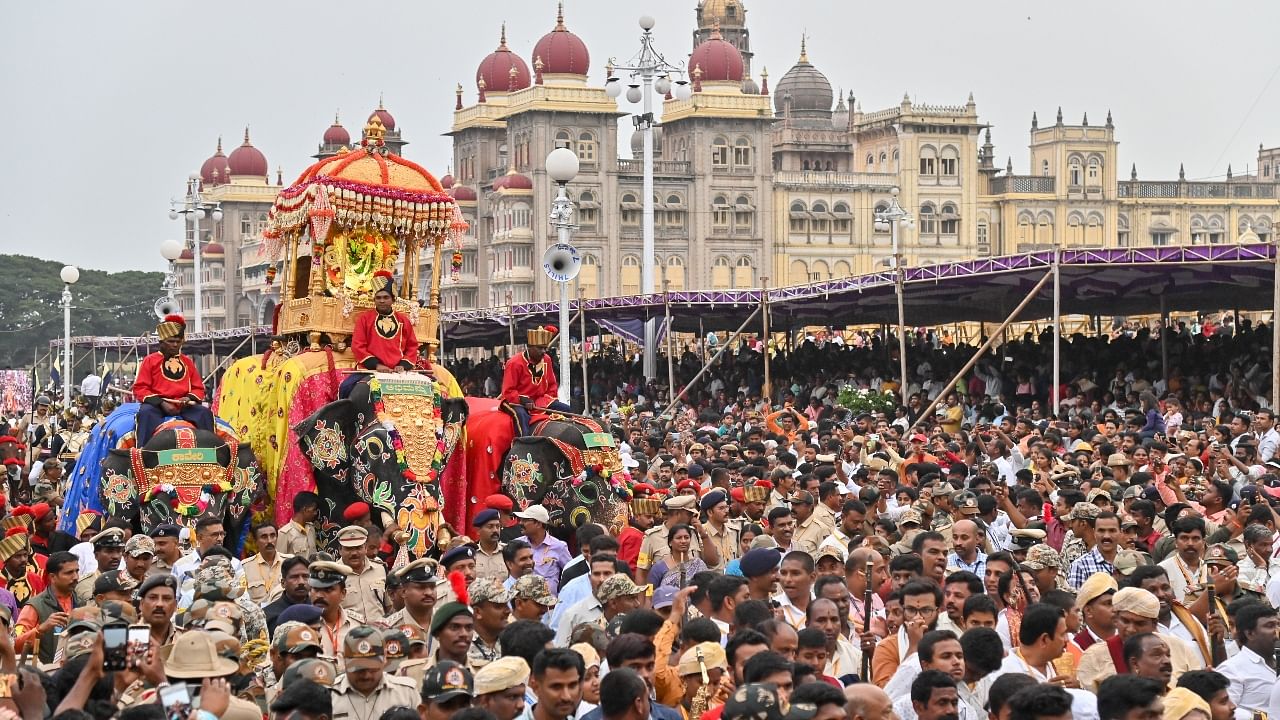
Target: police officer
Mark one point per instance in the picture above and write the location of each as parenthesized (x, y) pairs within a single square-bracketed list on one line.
[(367, 584), (418, 581), (366, 691), (653, 549), (108, 549)]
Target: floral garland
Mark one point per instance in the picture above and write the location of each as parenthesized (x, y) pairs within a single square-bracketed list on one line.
[(193, 509), (397, 441)]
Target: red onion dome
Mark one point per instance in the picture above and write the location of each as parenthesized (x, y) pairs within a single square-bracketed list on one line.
[(247, 159), (187, 254), (495, 69), (388, 122), (513, 181), (462, 193), (213, 249), (215, 170), (562, 52), (337, 135), (446, 182), (719, 60)]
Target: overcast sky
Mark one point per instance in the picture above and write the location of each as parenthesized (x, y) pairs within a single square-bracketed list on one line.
[(108, 106)]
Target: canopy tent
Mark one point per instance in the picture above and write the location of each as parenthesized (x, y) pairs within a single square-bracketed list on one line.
[(1117, 281)]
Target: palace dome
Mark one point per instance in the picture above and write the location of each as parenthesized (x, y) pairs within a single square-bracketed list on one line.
[(718, 60), (462, 193), (247, 159), (213, 249), (495, 69), (730, 13), (446, 182), (337, 135), (806, 89), (215, 170), (388, 121), (562, 52), (512, 181)]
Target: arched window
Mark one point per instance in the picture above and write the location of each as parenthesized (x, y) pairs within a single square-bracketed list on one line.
[(949, 219), (720, 153), (949, 162), (984, 237), (1044, 230), (928, 161), (1093, 230), (1026, 230), (630, 275), (563, 139), (1122, 231), (675, 272), (799, 217), (798, 272), (821, 218), (928, 219), (843, 218), (871, 164), (586, 147), (1075, 229), (675, 212), (588, 209), (821, 271), (631, 210), (1095, 170), (744, 273), (842, 269), (1075, 171), (720, 213), (1044, 168), (743, 215), (721, 273), (742, 153), (589, 276)]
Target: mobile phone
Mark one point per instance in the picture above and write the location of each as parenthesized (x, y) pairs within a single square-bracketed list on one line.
[(175, 698), (139, 641), (1213, 599), (115, 640)]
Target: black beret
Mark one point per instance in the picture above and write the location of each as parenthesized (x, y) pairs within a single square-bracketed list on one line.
[(759, 561)]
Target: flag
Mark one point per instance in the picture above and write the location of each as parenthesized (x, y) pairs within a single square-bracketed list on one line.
[(55, 374)]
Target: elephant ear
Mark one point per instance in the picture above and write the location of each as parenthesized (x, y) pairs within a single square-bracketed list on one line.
[(454, 410), (326, 437)]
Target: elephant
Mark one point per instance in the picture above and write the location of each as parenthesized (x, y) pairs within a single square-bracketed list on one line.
[(181, 476), (388, 444), (571, 467)]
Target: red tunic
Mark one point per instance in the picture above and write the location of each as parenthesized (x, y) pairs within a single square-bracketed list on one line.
[(384, 339), (173, 379), (536, 381), (629, 541)]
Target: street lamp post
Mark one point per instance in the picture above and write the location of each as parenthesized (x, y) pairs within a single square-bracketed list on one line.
[(650, 72), (890, 219), (561, 262), (70, 275), (194, 208), (170, 250)]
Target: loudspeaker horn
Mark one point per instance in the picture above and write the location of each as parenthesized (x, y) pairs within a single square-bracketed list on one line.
[(166, 306), (561, 262)]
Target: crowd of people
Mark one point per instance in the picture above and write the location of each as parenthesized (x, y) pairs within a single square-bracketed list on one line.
[(788, 554)]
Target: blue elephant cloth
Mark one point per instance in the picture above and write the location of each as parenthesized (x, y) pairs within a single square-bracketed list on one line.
[(82, 490)]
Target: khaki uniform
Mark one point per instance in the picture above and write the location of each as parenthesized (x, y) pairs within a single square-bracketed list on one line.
[(84, 588), (367, 593), (159, 567), (726, 542), (263, 579), (826, 517), (490, 566), (296, 540), (331, 639), (809, 535), (654, 548), (776, 499), (393, 691)]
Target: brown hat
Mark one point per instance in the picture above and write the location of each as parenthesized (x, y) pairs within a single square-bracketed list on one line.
[(755, 493), (195, 655), (362, 648), (1118, 460)]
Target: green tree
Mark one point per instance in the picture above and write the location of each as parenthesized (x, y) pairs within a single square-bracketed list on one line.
[(103, 304)]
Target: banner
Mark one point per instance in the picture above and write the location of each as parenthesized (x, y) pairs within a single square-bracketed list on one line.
[(15, 393)]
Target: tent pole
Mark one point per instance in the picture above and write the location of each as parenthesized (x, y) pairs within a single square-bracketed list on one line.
[(1057, 334), (1275, 314), (710, 363), (1164, 338), (702, 339), (927, 412), (586, 377), (764, 323), (666, 311)]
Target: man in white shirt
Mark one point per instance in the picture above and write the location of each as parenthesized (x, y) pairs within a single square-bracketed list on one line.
[(1250, 673)]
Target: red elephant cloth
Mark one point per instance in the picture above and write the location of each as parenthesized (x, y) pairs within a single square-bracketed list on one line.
[(490, 433), (524, 378)]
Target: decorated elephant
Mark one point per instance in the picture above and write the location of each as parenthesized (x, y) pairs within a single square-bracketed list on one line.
[(570, 466), (387, 444), (181, 476)]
